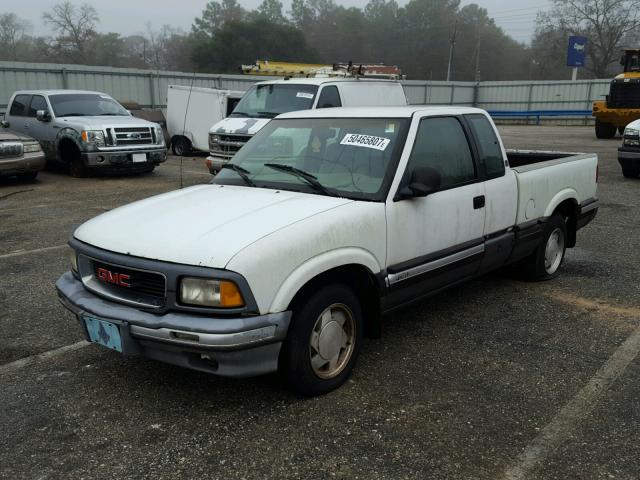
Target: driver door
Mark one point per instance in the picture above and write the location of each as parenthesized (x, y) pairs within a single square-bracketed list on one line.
[(436, 240)]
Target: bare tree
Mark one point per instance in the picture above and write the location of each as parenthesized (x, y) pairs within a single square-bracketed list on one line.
[(605, 23), (74, 26), (12, 32)]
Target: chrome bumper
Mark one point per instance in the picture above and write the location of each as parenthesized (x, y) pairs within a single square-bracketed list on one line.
[(234, 347)]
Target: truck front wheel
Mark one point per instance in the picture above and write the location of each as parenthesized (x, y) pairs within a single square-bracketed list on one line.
[(544, 263), (631, 171), (323, 341), (605, 130)]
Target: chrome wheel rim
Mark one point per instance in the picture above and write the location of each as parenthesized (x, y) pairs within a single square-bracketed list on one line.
[(554, 251), (332, 341)]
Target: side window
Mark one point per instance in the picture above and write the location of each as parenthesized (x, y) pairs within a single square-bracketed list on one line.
[(37, 103), (441, 144), (19, 106), (490, 152), (329, 97)]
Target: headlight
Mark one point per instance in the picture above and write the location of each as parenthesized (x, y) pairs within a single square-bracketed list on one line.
[(73, 257), (93, 136), (631, 138), (159, 135), (31, 147), (210, 293)]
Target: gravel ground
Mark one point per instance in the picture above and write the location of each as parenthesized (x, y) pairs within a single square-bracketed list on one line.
[(489, 380)]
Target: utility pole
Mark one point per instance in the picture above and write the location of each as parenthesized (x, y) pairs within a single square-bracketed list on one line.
[(479, 44), (452, 41)]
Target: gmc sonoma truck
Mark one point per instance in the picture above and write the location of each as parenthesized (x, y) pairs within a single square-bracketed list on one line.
[(323, 222), (87, 131)]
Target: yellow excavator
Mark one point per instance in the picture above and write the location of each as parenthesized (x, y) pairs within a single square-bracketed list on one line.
[(622, 105)]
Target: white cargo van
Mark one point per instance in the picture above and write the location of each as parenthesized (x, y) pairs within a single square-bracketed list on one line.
[(265, 100), (192, 110)]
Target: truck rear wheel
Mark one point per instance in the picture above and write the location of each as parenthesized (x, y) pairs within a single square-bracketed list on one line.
[(323, 341), (181, 146), (605, 130), (544, 263)]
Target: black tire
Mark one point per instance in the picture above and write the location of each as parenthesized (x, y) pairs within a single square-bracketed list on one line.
[(27, 177), (535, 266), (297, 352), (77, 168), (605, 130), (631, 171), (181, 146), (621, 130)]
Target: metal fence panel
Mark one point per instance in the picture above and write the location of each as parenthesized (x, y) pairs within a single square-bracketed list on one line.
[(149, 88)]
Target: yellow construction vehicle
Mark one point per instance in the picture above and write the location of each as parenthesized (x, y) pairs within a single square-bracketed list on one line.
[(622, 105), (288, 69)]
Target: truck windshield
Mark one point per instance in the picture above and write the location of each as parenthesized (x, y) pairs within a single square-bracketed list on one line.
[(85, 105), (269, 100), (348, 157)]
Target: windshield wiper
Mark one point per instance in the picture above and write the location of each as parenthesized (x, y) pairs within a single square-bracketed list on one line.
[(73, 115), (240, 114), (242, 172), (111, 114), (269, 114), (301, 174)]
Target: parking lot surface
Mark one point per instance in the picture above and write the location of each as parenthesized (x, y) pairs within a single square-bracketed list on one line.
[(496, 379)]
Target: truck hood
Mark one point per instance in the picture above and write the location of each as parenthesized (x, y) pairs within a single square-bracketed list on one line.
[(100, 122), (239, 125), (205, 225)]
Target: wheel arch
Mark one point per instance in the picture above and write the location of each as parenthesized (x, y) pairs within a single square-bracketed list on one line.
[(353, 267), (567, 206)]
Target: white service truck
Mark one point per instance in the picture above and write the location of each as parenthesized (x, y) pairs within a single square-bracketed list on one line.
[(265, 100), (190, 113), (323, 222)]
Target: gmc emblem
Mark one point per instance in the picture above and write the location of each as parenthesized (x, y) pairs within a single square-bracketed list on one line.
[(120, 279)]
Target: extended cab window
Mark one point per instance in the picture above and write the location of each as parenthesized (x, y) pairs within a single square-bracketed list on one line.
[(37, 103), (490, 151), (329, 97), (441, 144), (19, 106)]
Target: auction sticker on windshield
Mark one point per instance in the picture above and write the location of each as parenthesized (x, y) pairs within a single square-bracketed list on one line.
[(304, 95), (366, 141)]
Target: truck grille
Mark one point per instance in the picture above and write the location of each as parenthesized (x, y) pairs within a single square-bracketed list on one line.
[(228, 144), (123, 284), (11, 149), (122, 136), (624, 94)]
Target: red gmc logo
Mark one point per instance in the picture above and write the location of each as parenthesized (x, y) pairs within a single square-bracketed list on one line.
[(119, 279)]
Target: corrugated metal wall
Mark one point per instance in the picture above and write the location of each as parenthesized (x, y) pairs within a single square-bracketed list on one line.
[(149, 88)]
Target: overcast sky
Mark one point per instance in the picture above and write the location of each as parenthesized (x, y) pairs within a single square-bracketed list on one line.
[(128, 17)]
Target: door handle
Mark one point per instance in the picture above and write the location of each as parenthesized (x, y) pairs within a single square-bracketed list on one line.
[(478, 202)]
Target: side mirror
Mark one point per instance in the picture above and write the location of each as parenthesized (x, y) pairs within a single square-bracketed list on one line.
[(423, 181), (4, 124), (43, 116)]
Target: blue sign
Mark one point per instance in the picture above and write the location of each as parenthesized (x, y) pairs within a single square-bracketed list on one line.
[(575, 54)]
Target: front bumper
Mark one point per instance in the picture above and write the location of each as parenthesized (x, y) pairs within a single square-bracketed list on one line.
[(123, 159), (629, 156), (29, 162), (232, 347)]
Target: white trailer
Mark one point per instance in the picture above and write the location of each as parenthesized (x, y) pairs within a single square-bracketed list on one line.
[(191, 111)]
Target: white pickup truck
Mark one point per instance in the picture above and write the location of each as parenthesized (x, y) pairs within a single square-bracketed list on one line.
[(325, 220)]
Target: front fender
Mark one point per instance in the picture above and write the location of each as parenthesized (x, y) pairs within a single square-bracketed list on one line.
[(318, 265), (566, 194)]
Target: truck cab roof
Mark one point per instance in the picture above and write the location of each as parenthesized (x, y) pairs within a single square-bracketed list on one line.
[(322, 80), (57, 92), (381, 112)]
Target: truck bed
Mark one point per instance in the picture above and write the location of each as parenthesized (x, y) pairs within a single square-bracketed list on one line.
[(545, 179)]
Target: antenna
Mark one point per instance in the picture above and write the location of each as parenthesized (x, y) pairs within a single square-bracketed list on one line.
[(184, 126)]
